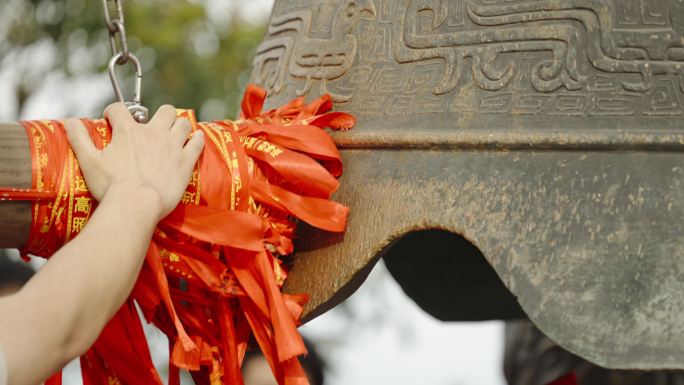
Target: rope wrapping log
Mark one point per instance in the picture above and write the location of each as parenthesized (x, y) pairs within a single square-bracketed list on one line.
[(212, 273)]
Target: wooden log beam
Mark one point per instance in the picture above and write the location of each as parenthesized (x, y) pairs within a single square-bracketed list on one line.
[(15, 171)]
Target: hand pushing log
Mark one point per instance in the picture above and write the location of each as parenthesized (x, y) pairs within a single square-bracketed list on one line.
[(217, 253), (136, 185)]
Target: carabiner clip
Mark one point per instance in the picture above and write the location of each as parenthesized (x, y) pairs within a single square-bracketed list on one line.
[(136, 108)]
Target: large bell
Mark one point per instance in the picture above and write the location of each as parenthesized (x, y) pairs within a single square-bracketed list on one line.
[(543, 135)]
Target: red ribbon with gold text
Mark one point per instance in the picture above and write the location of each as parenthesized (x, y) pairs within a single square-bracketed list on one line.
[(212, 274)]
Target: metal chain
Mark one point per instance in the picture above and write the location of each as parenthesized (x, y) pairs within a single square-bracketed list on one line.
[(118, 42)]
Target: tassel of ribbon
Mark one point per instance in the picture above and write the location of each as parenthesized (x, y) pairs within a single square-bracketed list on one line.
[(212, 274)]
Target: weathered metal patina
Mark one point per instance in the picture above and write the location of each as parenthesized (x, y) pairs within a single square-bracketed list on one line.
[(546, 136)]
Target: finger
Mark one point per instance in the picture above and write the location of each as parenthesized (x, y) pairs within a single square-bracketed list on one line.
[(80, 140), (180, 131), (165, 117), (119, 117), (193, 149)]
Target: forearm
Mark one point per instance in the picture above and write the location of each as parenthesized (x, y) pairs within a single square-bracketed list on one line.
[(82, 286)]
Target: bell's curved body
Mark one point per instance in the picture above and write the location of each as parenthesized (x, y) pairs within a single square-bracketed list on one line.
[(547, 134)]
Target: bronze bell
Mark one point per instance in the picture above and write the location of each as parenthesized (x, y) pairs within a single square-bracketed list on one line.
[(543, 135), (513, 158)]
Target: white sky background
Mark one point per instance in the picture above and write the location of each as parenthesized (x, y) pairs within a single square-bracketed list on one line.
[(409, 348)]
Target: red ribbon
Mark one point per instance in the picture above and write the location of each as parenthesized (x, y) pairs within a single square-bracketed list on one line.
[(210, 279), (568, 379)]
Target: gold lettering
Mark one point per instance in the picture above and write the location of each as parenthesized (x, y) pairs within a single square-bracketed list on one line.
[(195, 178), (78, 224), (82, 205), (249, 142), (276, 152), (188, 197), (171, 256), (79, 184)]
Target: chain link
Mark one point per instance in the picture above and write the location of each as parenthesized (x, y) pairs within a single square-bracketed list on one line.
[(118, 42)]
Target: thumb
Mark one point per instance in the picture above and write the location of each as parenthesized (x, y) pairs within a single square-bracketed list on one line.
[(80, 140)]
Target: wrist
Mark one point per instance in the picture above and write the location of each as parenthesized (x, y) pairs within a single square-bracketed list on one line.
[(142, 199)]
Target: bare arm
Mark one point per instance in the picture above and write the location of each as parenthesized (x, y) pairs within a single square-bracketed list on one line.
[(138, 179), (60, 312)]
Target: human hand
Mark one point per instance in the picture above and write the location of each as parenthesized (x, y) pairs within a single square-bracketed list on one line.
[(141, 158)]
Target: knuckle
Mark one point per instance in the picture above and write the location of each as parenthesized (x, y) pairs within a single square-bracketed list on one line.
[(72, 122), (116, 113), (184, 125), (197, 142), (167, 109), (114, 107)]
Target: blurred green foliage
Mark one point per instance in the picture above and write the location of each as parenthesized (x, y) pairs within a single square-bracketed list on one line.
[(189, 60)]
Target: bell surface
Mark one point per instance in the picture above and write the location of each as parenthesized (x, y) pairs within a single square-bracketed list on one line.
[(512, 158)]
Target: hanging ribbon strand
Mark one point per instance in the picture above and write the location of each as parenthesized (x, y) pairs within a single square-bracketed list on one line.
[(212, 274)]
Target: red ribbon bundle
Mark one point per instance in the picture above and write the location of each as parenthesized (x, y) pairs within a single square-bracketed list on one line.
[(211, 278), (568, 379)]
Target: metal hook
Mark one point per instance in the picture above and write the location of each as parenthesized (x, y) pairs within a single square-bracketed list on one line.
[(119, 14), (123, 41), (136, 108)]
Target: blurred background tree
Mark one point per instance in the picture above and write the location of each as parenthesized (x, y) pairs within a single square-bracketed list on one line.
[(195, 54)]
